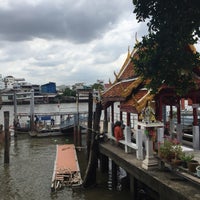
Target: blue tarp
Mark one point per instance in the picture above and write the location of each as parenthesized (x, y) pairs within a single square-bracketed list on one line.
[(47, 117)]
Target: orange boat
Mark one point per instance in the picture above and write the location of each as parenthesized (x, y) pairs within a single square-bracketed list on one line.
[(66, 168)]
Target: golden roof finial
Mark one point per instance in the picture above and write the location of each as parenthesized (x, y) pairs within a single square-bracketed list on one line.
[(115, 75), (128, 50), (136, 40)]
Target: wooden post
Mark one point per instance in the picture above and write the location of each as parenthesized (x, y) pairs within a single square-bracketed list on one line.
[(112, 113), (90, 175), (15, 113), (78, 135), (104, 163), (121, 116), (32, 110), (105, 122), (78, 125), (7, 137), (89, 131), (114, 175), (133, 188), (75, 129)]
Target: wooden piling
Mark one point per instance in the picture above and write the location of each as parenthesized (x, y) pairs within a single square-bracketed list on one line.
[(7, 137), (104, 163), (133, 191), (114, 175), (79, 143), (75, 130), (32, 125), (90, 175), (89, 131)]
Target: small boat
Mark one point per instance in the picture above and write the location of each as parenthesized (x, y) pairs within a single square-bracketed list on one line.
[(46, 131), (66, 168)]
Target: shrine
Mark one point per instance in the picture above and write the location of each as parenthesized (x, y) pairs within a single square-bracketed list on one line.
[(127, 99)]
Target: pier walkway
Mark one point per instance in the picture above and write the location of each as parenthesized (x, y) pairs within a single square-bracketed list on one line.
[(165, 184)]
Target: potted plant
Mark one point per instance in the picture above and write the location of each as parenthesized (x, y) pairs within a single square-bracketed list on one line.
[(178, 151), (171, 151), (185, 158), (198, 170), (166, 151), (192, 165)]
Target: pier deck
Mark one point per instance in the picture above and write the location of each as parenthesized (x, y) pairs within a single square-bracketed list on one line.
[(165, 183)]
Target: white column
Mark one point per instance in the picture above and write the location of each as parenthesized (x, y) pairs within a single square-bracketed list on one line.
[(127, 137), (139, 139), (196, 142), (150, 161), (110, 125)]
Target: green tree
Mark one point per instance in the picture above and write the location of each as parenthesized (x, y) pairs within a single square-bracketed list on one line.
[(166, 55), (98, 86), (69, 92)]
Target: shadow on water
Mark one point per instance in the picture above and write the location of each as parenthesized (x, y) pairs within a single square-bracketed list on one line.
[(29, 174)]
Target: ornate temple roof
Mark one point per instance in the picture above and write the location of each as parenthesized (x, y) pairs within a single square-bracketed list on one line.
[(130, 90)]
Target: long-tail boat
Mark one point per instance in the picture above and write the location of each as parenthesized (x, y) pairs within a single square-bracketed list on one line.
[(66, 168)]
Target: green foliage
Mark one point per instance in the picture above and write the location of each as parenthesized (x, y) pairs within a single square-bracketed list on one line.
[(187, 157), (98, 86), (164, 55), (69, 92), (169, 148)]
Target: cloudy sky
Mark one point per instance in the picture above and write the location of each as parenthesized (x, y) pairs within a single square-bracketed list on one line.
[(66, 41)]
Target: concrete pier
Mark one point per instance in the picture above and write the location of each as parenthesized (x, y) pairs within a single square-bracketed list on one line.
[(161, 183)]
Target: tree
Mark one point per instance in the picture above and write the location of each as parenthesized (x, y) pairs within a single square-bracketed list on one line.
[(166, 54), (98, 86), (69, 92)]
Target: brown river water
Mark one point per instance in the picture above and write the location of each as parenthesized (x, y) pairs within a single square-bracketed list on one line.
[(29, 173)]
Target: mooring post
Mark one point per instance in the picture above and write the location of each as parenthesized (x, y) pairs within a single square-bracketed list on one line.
[(114, 175), (32, 110), (79, 135), (7, 137), (89, 132), (104, 163), (15, 113), (90, 175), (133, 182), (75, 129)]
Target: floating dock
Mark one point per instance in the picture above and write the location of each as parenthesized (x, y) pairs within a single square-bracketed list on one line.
[(66, 168)]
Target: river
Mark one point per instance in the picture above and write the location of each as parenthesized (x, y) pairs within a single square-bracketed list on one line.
[(29, 173)]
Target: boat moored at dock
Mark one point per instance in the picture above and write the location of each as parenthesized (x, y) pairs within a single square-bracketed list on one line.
[(66, 168)]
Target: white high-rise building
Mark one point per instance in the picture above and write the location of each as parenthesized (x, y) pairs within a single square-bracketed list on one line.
[(9, 82)]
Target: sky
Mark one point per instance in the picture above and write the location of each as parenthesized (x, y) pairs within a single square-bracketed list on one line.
[(66, 41)]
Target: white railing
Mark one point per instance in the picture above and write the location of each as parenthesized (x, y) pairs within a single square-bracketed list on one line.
[(140, 139)]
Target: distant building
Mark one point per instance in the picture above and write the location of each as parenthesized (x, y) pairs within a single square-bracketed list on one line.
[(11, 82), (48, 88), (2, 84), (26, 87)]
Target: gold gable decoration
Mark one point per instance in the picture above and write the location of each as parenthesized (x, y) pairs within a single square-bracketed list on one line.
[(132, 86), (143, 102)]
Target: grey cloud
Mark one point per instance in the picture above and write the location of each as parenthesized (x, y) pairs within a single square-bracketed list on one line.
[(78, 21)]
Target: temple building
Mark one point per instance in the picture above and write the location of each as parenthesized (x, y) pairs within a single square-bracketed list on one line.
[(127, 97)]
